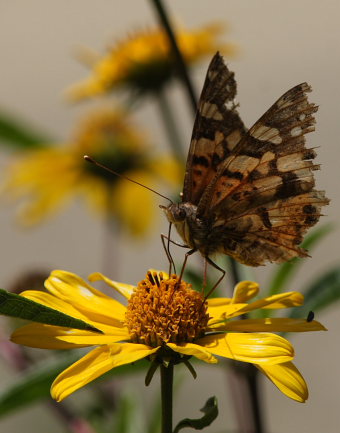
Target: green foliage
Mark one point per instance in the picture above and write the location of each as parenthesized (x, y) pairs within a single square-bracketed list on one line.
[(15, 135), (210, 411), (34, 385), (17, 306), (320, 294)]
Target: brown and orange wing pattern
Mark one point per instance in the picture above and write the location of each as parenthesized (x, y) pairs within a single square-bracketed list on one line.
[(262, 198), (217, 130)]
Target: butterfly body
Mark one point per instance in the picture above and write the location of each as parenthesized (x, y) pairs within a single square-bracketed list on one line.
[(248, 193)]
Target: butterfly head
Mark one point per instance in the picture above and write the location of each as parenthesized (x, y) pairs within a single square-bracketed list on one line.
[(177, 212)]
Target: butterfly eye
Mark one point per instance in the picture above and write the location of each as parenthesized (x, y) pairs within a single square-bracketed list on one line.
[(180, 214)]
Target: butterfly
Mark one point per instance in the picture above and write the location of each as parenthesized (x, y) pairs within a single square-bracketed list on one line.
[(248, 193)]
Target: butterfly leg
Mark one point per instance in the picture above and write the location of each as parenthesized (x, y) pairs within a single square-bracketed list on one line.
[(166, 245), (185, 262), (208, 260), (205, 274)]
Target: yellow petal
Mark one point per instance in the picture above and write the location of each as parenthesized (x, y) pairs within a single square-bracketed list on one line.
[(124, 289), (244, 291), (218, 302), (224, 311), (52, 301), (283, 300), (55, 337), (95, 364), (284, 324), (194, 350), (256, 348), (288, 379), (91, 302)]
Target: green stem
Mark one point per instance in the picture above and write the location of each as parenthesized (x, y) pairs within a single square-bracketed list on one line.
[(167, 376), (170, 125)]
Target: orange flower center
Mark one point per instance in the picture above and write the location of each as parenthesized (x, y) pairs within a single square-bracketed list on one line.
[(161, 311)]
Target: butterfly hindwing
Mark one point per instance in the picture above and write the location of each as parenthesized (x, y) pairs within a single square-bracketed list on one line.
[(217, 129)]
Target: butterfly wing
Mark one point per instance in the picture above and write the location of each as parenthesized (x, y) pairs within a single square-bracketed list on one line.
[(217, 130), (262, 199)]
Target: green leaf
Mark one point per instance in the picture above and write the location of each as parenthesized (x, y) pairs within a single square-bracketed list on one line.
[(320, 294), (128, 414), (16, 135), (210, 411), (31, 386), (287, 270), (34, 385), (17, 306)]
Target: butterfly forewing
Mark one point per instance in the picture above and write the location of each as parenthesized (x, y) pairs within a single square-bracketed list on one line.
[(217, 129)]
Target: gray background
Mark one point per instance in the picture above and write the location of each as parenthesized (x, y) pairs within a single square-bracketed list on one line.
[(280, 44)]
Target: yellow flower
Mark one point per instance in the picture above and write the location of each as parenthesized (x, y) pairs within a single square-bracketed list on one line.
[(48, 178), (143, 61), (165, 321)]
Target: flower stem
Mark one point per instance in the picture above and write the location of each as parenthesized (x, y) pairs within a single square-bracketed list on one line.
[(167, 375)]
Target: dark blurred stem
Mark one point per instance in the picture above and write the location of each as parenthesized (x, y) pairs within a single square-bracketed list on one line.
[(170, 125), (163, 19), (167, 376), (235, 273), (253, 377)]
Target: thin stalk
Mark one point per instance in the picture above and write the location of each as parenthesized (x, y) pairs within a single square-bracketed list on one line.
[(170, 125), (164, 20), (253, 377), (167, 377)]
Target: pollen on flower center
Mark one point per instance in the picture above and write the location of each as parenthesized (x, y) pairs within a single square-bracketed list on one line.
[(161, 311)]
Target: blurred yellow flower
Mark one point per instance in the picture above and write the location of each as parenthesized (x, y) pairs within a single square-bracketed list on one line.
[(143, 61), (48, 178), (165, 321)]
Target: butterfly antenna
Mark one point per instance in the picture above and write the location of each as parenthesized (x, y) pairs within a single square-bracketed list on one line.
[(98, 164)]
